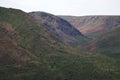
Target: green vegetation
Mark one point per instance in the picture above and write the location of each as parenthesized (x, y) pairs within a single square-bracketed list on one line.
[(64, 66), (53, 60), (109, 43)]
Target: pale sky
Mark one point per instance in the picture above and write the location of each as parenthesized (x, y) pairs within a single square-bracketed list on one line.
[(66, 7)]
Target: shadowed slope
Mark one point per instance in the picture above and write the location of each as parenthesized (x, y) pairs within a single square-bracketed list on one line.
[(60, 27)]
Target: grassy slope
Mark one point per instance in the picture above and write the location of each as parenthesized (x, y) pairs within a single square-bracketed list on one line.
[(108, 43), (55, 61), (10, 52)]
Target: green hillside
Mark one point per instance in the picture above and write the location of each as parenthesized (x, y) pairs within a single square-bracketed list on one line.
[(45, 57), (10, 52), (108, 43)]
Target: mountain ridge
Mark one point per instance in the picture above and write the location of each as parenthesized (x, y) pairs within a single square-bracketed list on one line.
[(94, 25)]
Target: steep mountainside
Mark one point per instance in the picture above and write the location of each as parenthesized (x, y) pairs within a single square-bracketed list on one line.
[(108, 43), (93, 25), (33, 35), (60, 27)]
